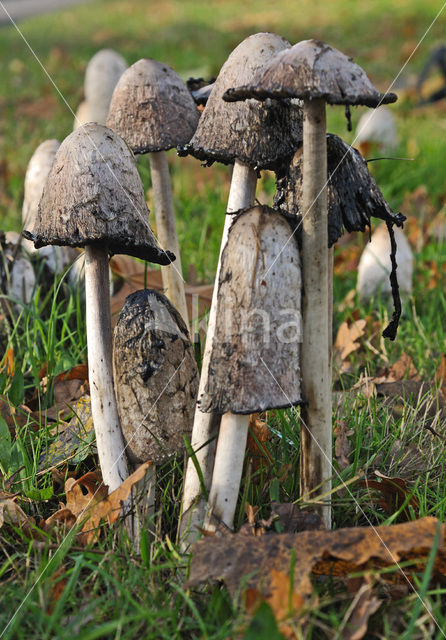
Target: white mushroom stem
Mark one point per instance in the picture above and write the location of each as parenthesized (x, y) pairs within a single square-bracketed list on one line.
[(228, 469), (109, 440), (316, 433), (241, 195), (166, 230)]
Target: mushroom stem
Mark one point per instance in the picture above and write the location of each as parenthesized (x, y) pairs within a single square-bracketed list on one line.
[(228, 468), (316, 433), (241, 195), (166, 229), (109, 440)]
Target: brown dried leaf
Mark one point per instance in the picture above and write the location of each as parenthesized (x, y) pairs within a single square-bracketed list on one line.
[(257, 452), (96, 505), (342, 444), (292, 519), (347, 337), (365, 605), (440, 375), (12, 514), (394, 494), (235, 558), (402, 369)]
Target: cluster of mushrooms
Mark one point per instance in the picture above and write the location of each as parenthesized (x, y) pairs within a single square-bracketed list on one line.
[(268, 342)]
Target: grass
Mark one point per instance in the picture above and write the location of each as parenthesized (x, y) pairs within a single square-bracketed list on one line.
[(111, 591)]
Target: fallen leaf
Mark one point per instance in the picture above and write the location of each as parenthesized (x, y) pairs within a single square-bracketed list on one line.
[(236, 559), (89, 502), (342, 444), (440, 375), (402, 369), (394, 493), (258, 454), (365, 605), (292, 519), (12, 514), (7, 362), (74, 443), (347, 337), (58, 582)]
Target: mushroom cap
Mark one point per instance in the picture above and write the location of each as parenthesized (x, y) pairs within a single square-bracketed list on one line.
[(353, 195), (311, 69), (254, 362), (156, 377), (152, 109), (101, 75), (94, 195), (36, 174), (258, 135)]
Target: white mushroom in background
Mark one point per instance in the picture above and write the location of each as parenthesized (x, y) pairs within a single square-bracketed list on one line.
[(376, 130), (101, 76), (375, 265)]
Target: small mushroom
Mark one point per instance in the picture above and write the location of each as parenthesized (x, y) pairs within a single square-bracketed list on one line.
[(375, 265), (255, 353), (156, 381), (102, 73), (153, 111), (252, 136), (376, 130), (94, 198), (317, 74)]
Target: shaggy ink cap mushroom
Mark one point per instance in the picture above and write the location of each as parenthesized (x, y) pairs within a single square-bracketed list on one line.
[(261, 136), (156, 377), (152, 109), (353, 195), (255, 356), (311, 69), (94, 196)]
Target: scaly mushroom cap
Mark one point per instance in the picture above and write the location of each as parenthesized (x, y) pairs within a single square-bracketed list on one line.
[(254, 363), (258, 135), (152, 109), (36, 174), (156, 377), (94, 195), (308, 70), (353, 195)]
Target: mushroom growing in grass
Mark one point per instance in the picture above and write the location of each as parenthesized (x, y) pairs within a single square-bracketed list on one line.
[(101, 75), (153, 111), (255, 353), (156, 381), (317, 74), (94, 198), (251, 136)]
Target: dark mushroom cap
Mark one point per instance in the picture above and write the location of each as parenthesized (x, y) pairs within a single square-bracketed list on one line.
[(353, 195), (254, 362), (152, 109), (311, 69), (256, 134), (156, 377), (94, 195)]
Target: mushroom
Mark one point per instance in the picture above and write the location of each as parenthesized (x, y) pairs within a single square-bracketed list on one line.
[(156, 381), (56, 258), (17, 277), (153, 111), (376, 129), (375, 265), (255, 353), (317, 74), (251, 136), (102, 73), (94, 198)]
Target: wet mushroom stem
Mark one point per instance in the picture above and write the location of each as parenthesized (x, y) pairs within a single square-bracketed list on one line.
[(94, 198), (153, 111), (251, 136), (317, 74), (254, 358)]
